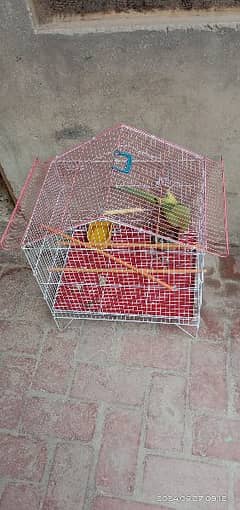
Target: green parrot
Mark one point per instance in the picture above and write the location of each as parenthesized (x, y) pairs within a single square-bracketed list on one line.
[(177, 214)]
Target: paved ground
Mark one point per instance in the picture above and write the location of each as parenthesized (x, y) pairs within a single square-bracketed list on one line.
[(119, 416)]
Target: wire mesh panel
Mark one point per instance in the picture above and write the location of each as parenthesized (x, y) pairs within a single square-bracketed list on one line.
[(134, 278), (117, 228), (92, 282)]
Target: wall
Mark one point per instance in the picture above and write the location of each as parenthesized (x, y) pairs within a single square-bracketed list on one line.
[(57, 90)]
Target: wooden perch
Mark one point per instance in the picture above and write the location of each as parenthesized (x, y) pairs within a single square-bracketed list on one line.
[(131, 210), (69, 269), (150, 246)]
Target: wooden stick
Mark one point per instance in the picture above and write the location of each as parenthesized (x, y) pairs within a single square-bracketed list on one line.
[(132, 210), (111, 257), (162, 246), (116, 270)]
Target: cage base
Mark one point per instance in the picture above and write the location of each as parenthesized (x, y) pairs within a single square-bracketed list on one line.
[(66, 319)]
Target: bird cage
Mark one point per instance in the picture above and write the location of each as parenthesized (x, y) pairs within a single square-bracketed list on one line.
[(117, 229)]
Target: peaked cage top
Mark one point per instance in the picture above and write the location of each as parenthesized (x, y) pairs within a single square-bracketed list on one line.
[(96, 176)]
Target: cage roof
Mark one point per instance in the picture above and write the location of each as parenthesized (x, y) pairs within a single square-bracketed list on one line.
[(108, 175)]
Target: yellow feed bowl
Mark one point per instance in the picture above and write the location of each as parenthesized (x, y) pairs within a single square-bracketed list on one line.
[(99, 234)]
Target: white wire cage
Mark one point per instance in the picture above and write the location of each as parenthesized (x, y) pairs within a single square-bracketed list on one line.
[(149, 205)]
